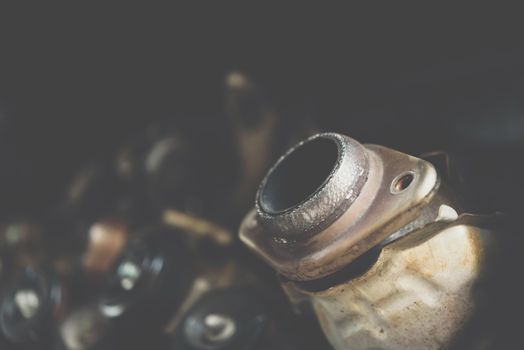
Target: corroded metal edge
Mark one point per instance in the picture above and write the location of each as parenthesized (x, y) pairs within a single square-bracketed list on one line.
[(338, 191), (374, 215)]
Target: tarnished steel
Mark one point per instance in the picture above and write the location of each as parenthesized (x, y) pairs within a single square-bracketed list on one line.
[(335, 169), (366, 220), (418, 295), (395, 268)]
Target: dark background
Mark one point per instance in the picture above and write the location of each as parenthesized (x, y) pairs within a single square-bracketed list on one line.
[(75, 82)]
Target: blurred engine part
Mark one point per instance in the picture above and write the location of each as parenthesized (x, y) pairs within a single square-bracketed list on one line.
[(234, 306), (149, 278), (32, 308), (20, 245), (224, 319), (149, 281), (373, 239), (106, 240)]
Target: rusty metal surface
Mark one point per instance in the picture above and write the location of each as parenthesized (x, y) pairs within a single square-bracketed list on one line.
[(418, 295), (374, 215), (423, 256)]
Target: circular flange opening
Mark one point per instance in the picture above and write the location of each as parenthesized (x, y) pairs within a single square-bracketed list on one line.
[(299, 175)]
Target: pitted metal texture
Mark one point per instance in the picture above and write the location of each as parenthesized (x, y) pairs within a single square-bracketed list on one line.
[(331, 195)]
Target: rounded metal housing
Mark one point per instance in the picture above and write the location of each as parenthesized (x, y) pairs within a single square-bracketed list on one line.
[(328, 201), (378, 247)]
